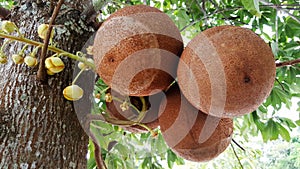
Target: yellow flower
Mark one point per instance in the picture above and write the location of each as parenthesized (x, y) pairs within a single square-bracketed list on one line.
[(50, 73), (73, 93), (8, 26), (89, 50), (42, 31), (54, 65), (18, 59), (108, 98), (82, 65), (124, 106), (30, 61), (3, 60)]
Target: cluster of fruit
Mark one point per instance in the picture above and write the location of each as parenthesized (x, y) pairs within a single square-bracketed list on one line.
[(222, 73)]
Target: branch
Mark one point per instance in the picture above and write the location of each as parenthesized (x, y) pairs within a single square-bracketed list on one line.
[(238, 145), (282, 87), (208, 16), (280, 9), (41, 74), (51, 9), (4, 13), (98, 155), (288, 63), (237, 157)]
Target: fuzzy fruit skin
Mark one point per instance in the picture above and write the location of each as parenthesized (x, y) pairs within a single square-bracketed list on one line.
[(226, 71), (182, 126), (145, 33)]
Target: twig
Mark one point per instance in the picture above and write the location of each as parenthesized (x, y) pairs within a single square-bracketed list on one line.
[(41, 74), (280, 84), (238, 145), (98, 156), (4, 13), (208, 16), (281, 9), (202, 9), (237, 157), (51, 9), (288, 63)]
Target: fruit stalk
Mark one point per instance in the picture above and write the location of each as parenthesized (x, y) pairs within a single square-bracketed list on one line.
[(51, 48)]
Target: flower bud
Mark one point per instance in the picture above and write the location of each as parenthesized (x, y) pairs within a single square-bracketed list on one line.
[(50, 73), (90, 60), (73, 93), (124, 106), (42, 31), (89, 50), (18, 59), (81, 65), (54, 64), (8, 26), (98, 96), (3, 60), (30, 61), (108, 98)]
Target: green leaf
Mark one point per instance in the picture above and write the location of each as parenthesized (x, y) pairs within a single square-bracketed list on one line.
[(288, 122), (171, 157), (284, 133), (274, 46), (293, 26), (297, 122), (263, 109), (271, 130), (146, 162), (180, 161), (257, 122), (252, 6)]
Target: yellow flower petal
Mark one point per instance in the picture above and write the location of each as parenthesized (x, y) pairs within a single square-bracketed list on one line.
[(30, 61), (73, 93), (18, 59), (54, 64)]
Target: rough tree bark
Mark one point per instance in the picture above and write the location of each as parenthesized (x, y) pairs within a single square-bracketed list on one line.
[(38, 127)]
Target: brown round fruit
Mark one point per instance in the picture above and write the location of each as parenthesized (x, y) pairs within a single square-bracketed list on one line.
[(226, 71), (151, 117), (136, 50), (189, 132)]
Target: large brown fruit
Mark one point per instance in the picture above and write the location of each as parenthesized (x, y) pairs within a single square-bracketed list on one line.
[(189, 132), (136, 50), (151, 117), (226, 71)]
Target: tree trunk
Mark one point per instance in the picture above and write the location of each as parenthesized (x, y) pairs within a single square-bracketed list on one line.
[(38, 127)]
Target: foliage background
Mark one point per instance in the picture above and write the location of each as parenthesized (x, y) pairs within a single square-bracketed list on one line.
[(278, 23), (269, 135)]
